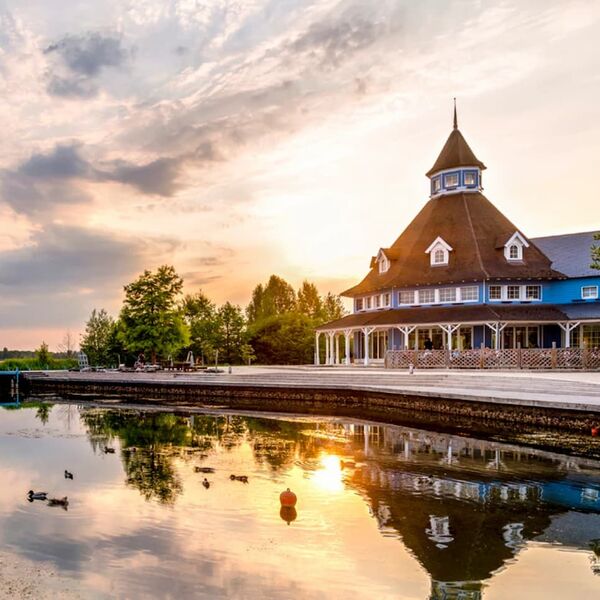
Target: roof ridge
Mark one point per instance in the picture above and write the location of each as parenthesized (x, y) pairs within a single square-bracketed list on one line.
[(477, 252)]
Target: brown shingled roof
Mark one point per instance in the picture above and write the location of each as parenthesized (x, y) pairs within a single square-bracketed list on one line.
[(471, 225), (455, 153), (477, 313)]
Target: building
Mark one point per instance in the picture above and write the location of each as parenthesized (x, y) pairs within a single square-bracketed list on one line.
[(462, 276)]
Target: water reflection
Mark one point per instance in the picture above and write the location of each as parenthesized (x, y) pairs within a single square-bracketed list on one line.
[(464, 508)]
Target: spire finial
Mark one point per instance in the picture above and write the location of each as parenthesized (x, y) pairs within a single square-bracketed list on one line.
[(455, 118)]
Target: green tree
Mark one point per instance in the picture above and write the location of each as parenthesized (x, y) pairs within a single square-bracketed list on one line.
[(275, 298), (333, 308), (151, 319), (200, 315), (43, 355), (283, 339), (596, 253), (309, 300), (230, 335), (96, 341)]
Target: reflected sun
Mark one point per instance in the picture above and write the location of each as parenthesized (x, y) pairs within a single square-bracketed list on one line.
[(329, 476)]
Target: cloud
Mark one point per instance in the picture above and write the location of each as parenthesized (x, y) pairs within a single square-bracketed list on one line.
[(66, 270), (80, 61), (46, 180)]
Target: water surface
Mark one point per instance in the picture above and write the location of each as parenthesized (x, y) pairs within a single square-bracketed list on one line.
[(383, 511)]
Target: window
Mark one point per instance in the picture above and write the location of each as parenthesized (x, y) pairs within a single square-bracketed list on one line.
[(448, 295), (589, 292), (387, 297), (533, 292), (407, 297), (451, 180), (426, 296), (470, 178), (591, 336), (367, 303), (359, 304), (513, 292), (383, 262), (469, 294), (514, 252), (495, 292), (436, 184), (439, 257), (377, 301)]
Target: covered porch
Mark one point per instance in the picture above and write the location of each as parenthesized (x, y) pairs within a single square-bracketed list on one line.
[(458, 337)]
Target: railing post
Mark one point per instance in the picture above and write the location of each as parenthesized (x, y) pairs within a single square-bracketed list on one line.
[(585, 358), (553, 356), (519, 356), (447, 358), (482, 356)]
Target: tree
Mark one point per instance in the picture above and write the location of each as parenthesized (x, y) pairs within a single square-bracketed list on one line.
[(596, 253), (309, 300), (151, 318), (276, 298), (96, 341), (68, 345), (230, 339), (43, 355), (283, 339), (200, 315), (333, 308)]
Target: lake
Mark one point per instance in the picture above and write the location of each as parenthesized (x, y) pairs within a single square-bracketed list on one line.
[(383, 511)]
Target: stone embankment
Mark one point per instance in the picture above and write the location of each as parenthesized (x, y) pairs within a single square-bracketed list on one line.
[(565, 401)]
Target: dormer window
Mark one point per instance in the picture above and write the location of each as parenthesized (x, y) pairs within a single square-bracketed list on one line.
[(382, 262), (439, 253), (470, 178), (436, 185), (513, 249)]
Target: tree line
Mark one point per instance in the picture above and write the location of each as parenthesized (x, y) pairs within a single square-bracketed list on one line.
[(158, 320)]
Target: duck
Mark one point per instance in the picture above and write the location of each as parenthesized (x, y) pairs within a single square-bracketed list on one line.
[(242, 478), (68, 475), (108, 450), (206, 483), (64, 502), (36, 495), (204, 470)]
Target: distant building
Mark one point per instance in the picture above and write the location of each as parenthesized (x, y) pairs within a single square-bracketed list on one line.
[(462, 275)]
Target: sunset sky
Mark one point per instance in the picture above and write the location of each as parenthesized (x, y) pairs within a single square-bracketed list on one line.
[(239, 138)]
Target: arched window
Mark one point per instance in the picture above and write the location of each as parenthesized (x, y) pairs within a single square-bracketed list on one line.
[(514, 252)]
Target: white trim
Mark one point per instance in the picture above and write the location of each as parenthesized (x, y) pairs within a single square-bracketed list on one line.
[(518, 241), (383, 262), (589, 287), (522, 292), (441, 242)]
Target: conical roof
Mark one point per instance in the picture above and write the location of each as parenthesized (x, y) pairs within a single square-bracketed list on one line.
[(455, 153), (475, 230)]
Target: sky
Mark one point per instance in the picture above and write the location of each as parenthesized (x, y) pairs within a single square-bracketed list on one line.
[(239, 138)]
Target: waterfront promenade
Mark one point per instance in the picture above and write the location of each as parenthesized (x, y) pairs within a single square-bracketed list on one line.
[(571, 391)]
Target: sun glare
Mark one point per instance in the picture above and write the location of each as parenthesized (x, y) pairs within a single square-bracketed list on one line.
[(329, 476)]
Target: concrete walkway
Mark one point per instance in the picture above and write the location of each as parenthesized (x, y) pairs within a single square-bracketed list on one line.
[(571, 391)]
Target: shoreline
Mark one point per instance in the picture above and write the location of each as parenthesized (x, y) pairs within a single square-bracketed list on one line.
[(559, 426)]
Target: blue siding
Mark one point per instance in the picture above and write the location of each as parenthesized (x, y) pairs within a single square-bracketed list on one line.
[(564, 292)]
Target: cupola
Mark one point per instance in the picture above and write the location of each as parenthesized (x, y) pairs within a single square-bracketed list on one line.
[(456, 169)]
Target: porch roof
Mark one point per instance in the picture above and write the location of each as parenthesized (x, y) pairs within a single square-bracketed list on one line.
[(479, 313)]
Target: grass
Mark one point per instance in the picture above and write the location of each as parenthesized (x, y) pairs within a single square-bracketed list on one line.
[(33, 364)]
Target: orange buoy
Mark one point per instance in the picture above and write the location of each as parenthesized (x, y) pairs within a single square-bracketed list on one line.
[(288, 514), (595, 431), (288, 498)]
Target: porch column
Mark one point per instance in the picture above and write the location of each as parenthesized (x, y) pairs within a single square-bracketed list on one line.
[(337, 349), (332, 347), (347, 335), (497, 328), (326, 347), (567, 327), (406, 330), (449, 330), (366, 333), (317, 338)]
